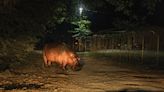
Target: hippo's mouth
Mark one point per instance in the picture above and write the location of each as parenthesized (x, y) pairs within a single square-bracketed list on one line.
[(79, 66)]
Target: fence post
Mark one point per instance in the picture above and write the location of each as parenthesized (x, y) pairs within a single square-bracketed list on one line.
[(157, 54), (143, 44)]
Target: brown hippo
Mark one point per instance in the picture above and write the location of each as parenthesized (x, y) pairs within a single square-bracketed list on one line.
[(61, 54)]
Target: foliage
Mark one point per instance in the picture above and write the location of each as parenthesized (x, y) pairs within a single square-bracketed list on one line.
[(126, 13), (134, 12), (127, 6), (59, 15), (20, 29), (83, 28), (18, 37)]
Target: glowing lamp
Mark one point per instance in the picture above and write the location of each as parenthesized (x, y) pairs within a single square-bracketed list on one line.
[(80, 10)]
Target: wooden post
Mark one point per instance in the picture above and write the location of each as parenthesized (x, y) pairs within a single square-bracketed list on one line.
[(85, 48), (142, 52), (129, 46), (80, 42), (157, 54)]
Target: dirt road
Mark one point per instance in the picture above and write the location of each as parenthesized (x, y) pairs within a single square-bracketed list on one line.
[(98, 75)]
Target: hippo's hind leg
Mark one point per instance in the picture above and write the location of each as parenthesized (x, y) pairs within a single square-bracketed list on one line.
[(48, 63), (45, 59), (64, 66)]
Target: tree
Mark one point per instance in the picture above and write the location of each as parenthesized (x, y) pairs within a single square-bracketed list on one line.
[(125, 13), (82, 29)]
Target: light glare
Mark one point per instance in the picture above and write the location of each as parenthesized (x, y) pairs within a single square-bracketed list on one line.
[(80, 10)]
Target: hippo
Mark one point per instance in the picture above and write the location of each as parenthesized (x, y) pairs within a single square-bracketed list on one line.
[(62, 54)]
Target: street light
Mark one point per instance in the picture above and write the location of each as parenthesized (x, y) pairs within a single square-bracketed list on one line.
[(81, 10)]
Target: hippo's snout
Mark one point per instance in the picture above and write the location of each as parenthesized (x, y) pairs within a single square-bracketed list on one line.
[(79, 65)]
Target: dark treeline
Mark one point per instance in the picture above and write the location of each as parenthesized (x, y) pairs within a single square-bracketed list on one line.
[(23, 23)]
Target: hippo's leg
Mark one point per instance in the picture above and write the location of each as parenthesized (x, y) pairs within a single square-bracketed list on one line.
[(60, 65), (64, 66), (73, 65), (45, 59), (48, 63)]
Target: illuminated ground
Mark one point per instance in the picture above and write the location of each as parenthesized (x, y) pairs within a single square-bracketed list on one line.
[(98, 75)]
